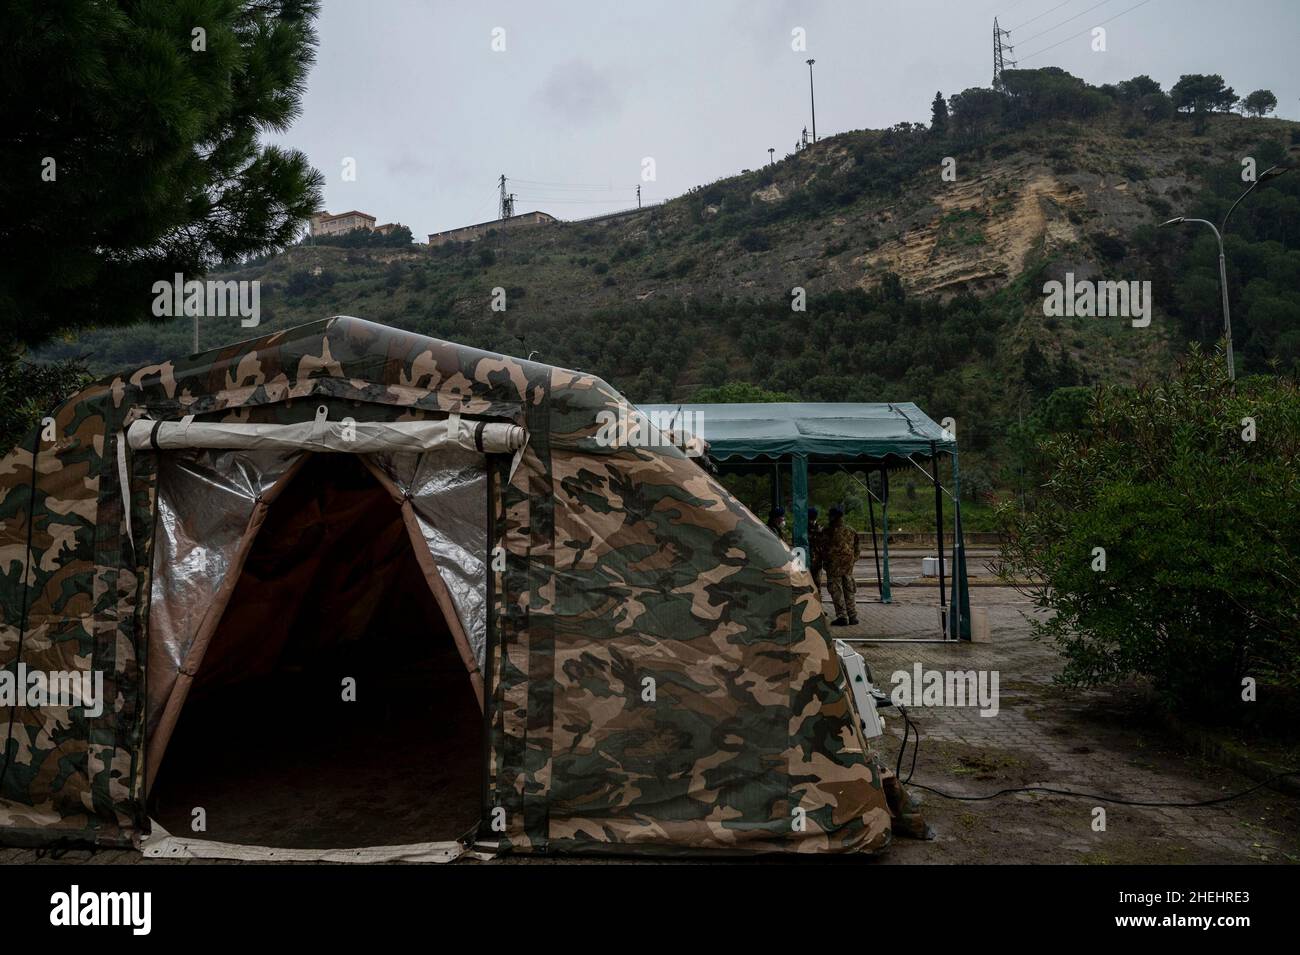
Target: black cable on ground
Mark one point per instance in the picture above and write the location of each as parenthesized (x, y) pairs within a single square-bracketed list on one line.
[(916, 748), (1047, 790), (1112, 799), (907, 728)]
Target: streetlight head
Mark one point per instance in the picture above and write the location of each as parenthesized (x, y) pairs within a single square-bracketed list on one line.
[(1178, 221), (810, 62), (1272, 172)]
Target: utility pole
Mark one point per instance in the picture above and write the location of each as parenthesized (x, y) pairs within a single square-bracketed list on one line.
[(507, 199), (1001, 53), (812, 98), (771, 155), (638, 196)]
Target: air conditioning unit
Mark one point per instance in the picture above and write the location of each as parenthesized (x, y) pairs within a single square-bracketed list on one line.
[(930, 567)]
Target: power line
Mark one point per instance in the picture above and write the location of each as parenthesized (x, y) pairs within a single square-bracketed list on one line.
[(605, 187), (598, 202), (1082, 32), (495, 204), (1040, 16), (547, 194), (1064, 22)]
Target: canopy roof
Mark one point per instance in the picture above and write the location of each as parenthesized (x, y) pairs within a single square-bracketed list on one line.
[(816, 430)]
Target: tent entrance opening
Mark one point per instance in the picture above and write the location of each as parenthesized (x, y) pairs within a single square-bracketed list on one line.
[(332, 708)]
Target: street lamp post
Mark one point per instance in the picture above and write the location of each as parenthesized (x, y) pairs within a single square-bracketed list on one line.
[(1223, 287), (1270, 173), (812, 98)]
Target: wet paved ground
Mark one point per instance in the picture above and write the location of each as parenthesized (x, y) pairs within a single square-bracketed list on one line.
[(1096, 742)]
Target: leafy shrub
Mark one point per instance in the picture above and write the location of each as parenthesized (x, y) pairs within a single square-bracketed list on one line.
[(399, 237), (625, 251), (1200, 530), (683, 266), (31, 390), (1109, 247)]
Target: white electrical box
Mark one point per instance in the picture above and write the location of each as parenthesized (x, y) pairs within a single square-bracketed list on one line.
[(855, 672), (930, 567)]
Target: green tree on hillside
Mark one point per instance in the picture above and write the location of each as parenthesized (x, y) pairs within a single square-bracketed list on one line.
[(939, 115), (737, 392), (976, 111), (1034, 95), (1135, 89), (1156, 106), (1260, 103), (1201, 94), (131, 151), (1141, 97)]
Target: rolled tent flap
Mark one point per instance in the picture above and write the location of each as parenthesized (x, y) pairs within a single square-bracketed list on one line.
[(357, 437)]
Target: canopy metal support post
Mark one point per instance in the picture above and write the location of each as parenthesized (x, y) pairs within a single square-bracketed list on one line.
[(489, 647), (886, 591), (959, 612), (875, 547), (776, 487), (938, 519), (799, 501)]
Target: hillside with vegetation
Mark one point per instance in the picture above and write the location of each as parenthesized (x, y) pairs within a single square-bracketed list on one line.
[(919, 286)]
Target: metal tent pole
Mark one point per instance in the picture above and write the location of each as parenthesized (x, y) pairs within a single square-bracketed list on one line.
[(875, 548), (799, 493), (938, 519), (960, 610), (886, 592)]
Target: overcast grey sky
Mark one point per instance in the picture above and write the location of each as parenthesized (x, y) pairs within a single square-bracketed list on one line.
[(413, 91)]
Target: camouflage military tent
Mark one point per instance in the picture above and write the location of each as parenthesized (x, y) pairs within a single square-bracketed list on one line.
[(574, 571)]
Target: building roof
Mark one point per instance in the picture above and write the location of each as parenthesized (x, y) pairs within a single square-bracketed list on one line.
[(339, 215)]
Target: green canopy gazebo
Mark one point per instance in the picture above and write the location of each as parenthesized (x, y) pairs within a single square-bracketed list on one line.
[(819, 437)]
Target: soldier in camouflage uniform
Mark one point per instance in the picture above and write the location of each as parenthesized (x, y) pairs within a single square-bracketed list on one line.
[(842, 555), (776, 523), (819, 542)]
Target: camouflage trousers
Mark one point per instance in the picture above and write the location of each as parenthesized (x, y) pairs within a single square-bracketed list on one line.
[(844, 591)]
